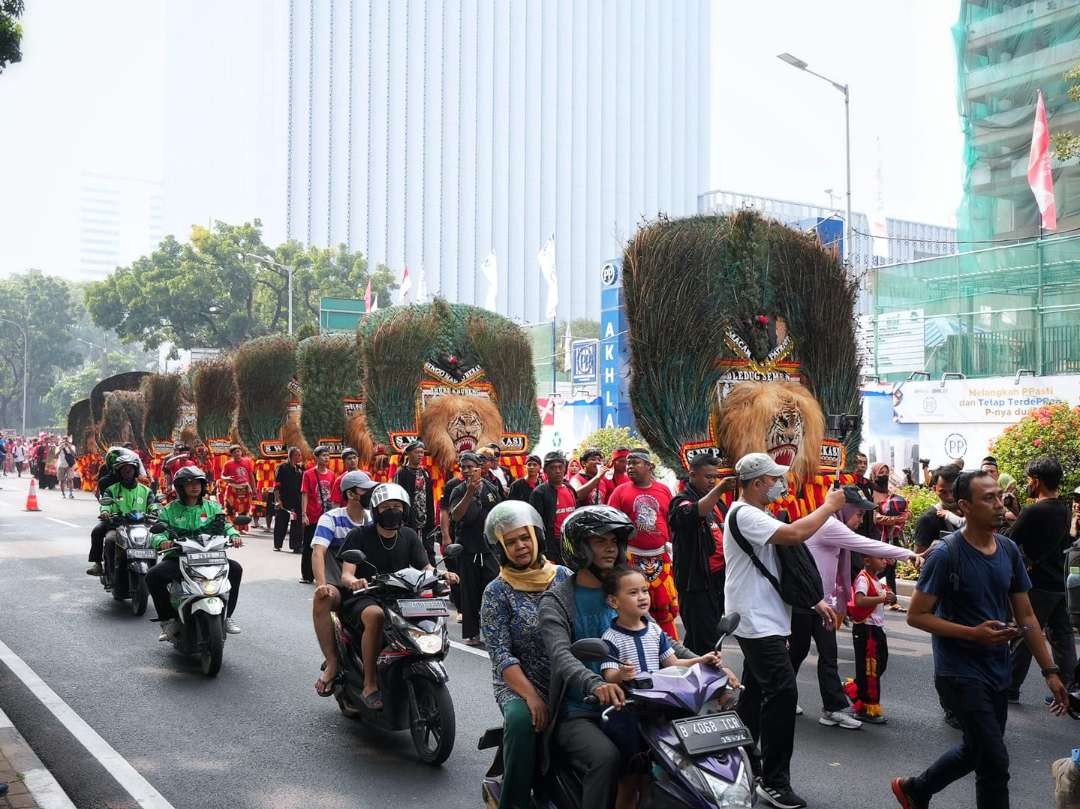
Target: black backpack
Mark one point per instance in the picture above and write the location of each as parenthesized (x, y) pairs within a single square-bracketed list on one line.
[(800, 582)]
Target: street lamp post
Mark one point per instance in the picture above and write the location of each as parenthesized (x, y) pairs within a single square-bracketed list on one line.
[(288, 271), (799, 64), (25, 366)]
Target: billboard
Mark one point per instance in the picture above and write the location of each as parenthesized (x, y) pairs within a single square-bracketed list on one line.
[(584, 355)]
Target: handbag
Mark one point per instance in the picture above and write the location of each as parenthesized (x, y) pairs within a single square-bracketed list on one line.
[(799, 584)]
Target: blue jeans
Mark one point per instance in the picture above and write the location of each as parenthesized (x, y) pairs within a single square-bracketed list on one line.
[(982, 711)]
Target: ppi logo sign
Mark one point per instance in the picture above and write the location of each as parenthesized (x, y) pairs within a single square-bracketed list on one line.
[(609, 275), (584, 355), (956, 446)]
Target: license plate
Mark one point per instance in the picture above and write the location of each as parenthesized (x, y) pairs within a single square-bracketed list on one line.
[(141, 553), (423, 608), (208, 558), (711, 733)]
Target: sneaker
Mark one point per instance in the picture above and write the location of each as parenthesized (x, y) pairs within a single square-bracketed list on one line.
[(783, 798), (232, 627), (901, 791), (94, 569), (169, 629), (1013, 699), (798, 710), (871, 720), (833, 718)]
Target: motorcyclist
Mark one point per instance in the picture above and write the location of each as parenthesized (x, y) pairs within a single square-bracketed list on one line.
[(389, 546), (107, 476), (191, 512), (594, 540), (128, 494)]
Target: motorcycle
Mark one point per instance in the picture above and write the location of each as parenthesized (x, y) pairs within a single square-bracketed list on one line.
[(126, 561), (410, 671), (201, 593), (696, 744)]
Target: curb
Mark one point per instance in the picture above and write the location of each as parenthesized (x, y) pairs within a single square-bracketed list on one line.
[(41, 785)]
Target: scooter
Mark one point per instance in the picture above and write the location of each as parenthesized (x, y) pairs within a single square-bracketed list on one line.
[(201, 593), (411, 675), (697, 745), (126, 560)]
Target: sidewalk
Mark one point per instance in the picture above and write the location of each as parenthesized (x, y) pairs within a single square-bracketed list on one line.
[(30, 785)]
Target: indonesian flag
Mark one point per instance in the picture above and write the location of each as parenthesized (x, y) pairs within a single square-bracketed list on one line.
[(546, 406), (406, 286), (1038, 174), (367, 298)]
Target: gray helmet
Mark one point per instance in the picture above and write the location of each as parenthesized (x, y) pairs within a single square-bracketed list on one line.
[(389, 491), (126, 457), (189, 474), (508, 516), (356, 479)]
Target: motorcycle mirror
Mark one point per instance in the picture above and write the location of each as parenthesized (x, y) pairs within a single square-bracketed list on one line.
[(242, 519), (354, 557), (453, 551), (158, 528), (590, 650), (728, 624)]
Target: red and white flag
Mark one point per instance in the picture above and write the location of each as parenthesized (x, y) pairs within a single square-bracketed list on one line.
[(1039, 175), (406, 287), (367, 297)]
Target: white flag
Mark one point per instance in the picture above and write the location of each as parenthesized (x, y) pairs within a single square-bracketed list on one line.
[(879, 226), (489, 268), (568, 349), (546, 259), (406, 287), (421, 285)]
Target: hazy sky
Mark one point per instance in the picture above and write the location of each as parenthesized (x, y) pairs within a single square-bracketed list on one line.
[(98, 84)]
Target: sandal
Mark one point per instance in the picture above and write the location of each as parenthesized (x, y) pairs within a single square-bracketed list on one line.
[(372, 701), (326, 688)]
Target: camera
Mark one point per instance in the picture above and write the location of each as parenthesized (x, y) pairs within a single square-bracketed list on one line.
[(924, 461)]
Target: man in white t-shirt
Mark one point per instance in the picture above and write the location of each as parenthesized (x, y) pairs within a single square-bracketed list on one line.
[(767, 706)]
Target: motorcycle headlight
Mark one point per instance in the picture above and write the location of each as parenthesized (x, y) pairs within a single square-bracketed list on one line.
[(731, 795), (210, 587), (428, 643)]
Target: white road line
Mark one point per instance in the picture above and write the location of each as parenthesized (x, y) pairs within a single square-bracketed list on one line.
[(63, 522), (471, 650), (127, 776)]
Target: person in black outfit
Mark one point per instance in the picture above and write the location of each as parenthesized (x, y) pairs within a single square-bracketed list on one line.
[(97, 534), (470, 503), (866, 527), (545, 499), (697, 540), (416, 482), (930, 527), (287, 501), (522, 488), (1042, 533)]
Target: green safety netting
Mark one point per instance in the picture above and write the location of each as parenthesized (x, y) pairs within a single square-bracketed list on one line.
[(1006, 50)]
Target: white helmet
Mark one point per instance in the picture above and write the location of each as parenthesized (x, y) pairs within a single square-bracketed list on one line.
[(389, 491)]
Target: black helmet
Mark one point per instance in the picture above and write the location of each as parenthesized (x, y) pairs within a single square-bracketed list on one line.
[(188, 474), (592, 521)]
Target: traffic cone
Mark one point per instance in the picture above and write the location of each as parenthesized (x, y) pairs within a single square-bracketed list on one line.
[(31, 498)]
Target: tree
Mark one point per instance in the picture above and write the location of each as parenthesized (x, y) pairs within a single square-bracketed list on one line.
[(1052, 430), (1067, 144), (10, 32)]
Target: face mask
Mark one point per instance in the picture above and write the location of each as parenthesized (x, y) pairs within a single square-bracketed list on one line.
[(365, 500), (777, 490), (390, 520), (882, 481)]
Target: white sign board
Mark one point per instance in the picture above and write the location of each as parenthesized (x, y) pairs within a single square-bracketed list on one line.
[(996, 400)]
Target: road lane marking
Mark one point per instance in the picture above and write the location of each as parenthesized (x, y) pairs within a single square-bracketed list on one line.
[(127, 776), (471, 650), (63, 522)]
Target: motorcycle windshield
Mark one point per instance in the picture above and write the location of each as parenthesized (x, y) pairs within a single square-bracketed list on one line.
[(686, 688)]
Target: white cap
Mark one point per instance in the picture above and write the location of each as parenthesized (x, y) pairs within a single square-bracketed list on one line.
[(756, 464)]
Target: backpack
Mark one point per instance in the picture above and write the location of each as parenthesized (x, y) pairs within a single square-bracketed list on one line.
[(800, 582), (69, 457), (952, 575)]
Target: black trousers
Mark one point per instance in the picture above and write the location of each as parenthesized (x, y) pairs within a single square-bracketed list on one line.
[(982, 712), (97, 541), (476, 570), (1052, 611), (284, 524), (168, 570), (305, 559), (805, 625), (701, 611), (595, 757), (767, 707)]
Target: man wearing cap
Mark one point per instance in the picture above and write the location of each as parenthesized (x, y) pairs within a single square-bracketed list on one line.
[(238, 475), (415, 480), (330, 532), (616, 475), (470, 503), (287, 501), (315, 487), (646, 502), (522, 488), (554, 500), (587, 481), (351, 461), (768, 703)]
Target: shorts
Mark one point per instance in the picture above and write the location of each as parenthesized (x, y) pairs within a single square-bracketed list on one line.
[(624, 729), (352, 606)]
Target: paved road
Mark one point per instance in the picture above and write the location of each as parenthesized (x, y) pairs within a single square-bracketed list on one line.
[(258, 736)]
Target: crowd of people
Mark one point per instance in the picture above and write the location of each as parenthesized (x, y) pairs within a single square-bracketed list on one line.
[(48, 458), (609, 551)]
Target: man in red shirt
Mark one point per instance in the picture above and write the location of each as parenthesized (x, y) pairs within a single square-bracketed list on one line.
[(238, 475), (351, 461), (616, 476), (554, 501), (315, 487), (588, 481), (645, 501), (181, 457)]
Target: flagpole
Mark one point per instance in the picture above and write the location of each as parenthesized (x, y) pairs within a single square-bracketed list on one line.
[(554, 381), (1039, 370)]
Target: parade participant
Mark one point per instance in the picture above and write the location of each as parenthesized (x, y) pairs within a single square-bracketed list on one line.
[(238, 475), (326, 543), (191, 512), (416, 481), (867, 613), (767, 706), (1042, 533), (470, 503), (554, 500), (587, 481), (697, 550), (493, 471), (287, 506), (315, 488), (510, 623), (350, 460), (645, 501), (180, 457), (616, 475), (972, 587), (522, 488), (389, 546)]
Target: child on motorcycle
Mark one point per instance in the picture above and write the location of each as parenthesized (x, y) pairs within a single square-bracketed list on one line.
[(642, 646)]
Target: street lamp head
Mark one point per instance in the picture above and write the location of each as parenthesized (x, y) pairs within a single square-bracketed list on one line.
[(794, 61)]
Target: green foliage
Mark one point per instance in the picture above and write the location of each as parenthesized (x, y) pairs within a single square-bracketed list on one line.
[(265, 369), (580, 329), (327, 369), (162, 397), (10, 32), (608, 439), (215, 291), (919, 500), (1066, 145), (213, 385), (1052, 430)]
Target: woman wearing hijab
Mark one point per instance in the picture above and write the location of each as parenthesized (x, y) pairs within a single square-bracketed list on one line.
[(890, 517), (510, 622)]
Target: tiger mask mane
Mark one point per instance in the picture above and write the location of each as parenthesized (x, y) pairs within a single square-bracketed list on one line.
[(473, 420)]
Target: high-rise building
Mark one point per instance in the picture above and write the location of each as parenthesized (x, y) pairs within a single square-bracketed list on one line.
[(120, 219), (429, 133)]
